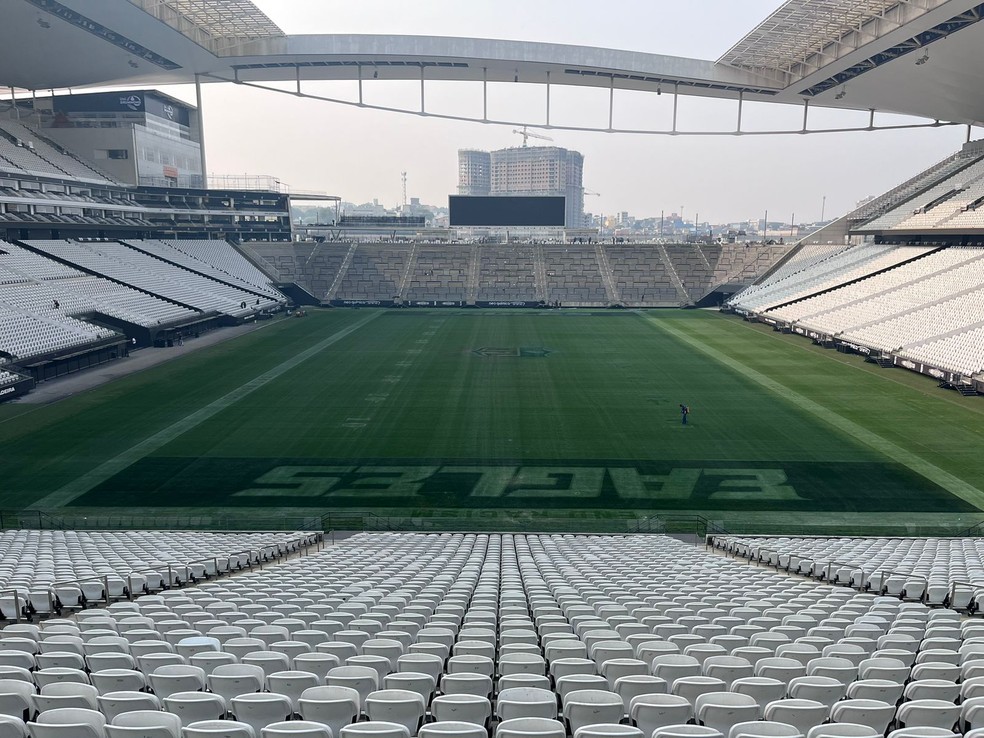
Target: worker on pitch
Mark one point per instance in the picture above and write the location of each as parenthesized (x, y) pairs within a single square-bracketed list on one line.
[(684, 412)]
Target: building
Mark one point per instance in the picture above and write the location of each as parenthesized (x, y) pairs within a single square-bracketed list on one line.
[(474, 172), (526, 170), (141, 137)]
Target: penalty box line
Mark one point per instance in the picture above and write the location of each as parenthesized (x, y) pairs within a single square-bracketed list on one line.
[(105, 471), (896, 453)]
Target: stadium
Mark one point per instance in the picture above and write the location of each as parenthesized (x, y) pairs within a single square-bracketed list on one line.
[(398, 482)]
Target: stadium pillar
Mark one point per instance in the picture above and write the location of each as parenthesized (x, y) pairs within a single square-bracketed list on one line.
[(201, 130)]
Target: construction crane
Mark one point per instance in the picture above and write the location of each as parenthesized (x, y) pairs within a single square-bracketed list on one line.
[(530, 134), (589, 192)]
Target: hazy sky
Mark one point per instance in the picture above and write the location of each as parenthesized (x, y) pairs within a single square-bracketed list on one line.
[(359, 154)]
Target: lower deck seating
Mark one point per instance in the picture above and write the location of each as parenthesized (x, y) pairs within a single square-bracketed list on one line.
[(516, 635)]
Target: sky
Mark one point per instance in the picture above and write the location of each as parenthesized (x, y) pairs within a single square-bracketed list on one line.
[(360, 154)]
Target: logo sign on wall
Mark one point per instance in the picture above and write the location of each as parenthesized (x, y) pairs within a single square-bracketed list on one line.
[(132, 102), (169, 111)]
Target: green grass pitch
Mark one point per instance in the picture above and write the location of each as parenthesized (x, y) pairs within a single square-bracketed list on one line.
[(468, 411)]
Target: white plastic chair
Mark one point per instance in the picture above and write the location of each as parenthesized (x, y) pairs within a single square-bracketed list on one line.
[(332, 706), (523, 702), (166, 680), (218, 729), (531, 728), (800, 713), (118, 680), (374, 729), (292, 684), (871, 713), (296, 729), (843, 730), (360, 678), (66, 694), (231, 680), (112, 704), (69, 723), (194, 707), (462, 708), (764, 729), (261, 708), (721, 710), (609, 730), (652, 711), (399, 706), (449, 729), (928, 714), (145, 724), (687, 731), (590, 707), (15, 697), (12, 727)]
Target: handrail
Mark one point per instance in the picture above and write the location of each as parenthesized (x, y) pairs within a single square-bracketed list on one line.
[(17, 599), (832, 563), (952, 594)]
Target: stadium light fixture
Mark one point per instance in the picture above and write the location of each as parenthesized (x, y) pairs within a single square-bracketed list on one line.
[(922, 59), (375, 74), (841, 95), (43, 23)]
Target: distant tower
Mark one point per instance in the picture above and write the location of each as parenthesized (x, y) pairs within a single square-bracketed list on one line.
[(403, 175), (474, 172)]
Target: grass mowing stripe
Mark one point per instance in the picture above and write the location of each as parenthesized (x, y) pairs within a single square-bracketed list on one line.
[(82, 484), (893, 451)]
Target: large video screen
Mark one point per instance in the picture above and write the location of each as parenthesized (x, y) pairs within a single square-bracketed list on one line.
[(506, 211)]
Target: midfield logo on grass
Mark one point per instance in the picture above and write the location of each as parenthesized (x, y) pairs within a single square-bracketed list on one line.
[(486, 483), (523, 352)]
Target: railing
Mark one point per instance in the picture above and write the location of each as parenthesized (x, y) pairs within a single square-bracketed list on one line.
[(952, 595), (60, 520)]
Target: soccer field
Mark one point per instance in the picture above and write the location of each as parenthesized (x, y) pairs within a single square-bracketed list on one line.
[(417, 412)]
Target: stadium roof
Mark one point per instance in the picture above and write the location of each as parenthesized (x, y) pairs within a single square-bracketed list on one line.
[(219, 25), (916, 57), (805, 35)]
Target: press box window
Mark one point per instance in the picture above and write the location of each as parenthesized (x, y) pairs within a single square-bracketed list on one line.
[(112, 154)]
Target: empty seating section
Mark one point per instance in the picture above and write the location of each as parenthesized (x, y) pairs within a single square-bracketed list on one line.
[(8, 378), (961, 352), (30, 326), (919, 569), (475, 636), (64, 163), (640, 277), (375, 273), (742, 263), (507, 273), (440, 273), (574, 275), (144, 272), (71, 568), (225, 258), (19, 158), (843, 266), (928, 309), (906, 216), (857, 303), (691, 266), (164, 250), (940, 171), (570, 273)]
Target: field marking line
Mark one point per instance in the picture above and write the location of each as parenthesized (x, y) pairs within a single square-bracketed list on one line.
[(896, 453), (85, 482)]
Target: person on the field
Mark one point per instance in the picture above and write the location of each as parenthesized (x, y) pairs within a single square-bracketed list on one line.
[(684, 412)]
